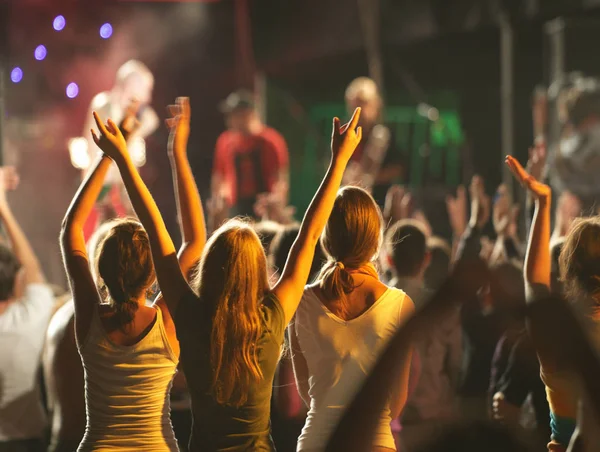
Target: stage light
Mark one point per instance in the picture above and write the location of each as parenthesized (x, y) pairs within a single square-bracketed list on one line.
[(78, 151), (59, 23), (72, 90), (106, 31), (40, 52), (137, 151), (16, 75)]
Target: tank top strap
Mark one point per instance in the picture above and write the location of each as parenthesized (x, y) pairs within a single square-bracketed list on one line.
[(163, 335)]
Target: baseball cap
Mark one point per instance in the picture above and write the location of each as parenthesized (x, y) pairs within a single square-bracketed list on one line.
[(238, 100)]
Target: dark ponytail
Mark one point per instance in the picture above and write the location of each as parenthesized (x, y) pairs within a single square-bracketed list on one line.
[(125, 267)]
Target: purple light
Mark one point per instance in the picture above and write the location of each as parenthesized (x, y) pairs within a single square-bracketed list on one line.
[(72, 90), (40, 52), (59, 23), (106, 31), (16, 75)]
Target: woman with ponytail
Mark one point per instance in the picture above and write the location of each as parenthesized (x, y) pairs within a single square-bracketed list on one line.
[(230, 323), (344, 321), (129, 350)]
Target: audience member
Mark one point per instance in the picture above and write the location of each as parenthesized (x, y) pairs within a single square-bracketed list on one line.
[(231, 326), (433, 402), (344, 322), (63, 371), (26, 305)]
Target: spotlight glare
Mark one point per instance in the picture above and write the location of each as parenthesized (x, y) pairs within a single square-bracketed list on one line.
[(106, 31), (72, 90), (40, 52), (78, 151), (16, 75), (59, 23)]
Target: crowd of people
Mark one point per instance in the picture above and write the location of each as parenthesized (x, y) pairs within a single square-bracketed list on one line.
[(357, 329)]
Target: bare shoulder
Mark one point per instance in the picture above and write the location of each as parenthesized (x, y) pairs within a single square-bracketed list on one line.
[(61, 320)]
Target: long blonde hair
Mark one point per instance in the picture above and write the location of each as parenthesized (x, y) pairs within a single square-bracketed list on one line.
[(579, 260), (352, 238), (232, 277)]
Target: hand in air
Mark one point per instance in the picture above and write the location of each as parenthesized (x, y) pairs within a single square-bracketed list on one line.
[(505, 214), (179, 122), (457, 208), (537, 189), (130, 124), (537, 160), (480, 203), (111, 140), (345, 139)]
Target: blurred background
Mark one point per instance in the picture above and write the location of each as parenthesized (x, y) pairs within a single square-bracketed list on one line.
[(457, 76)]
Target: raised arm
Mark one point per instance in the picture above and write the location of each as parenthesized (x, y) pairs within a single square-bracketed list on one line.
[(189, 206), (20, 245), (73, 247), (537, 261), (295, 274), (170, 278)]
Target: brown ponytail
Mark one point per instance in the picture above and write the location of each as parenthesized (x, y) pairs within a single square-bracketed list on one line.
[(352, 238), (125, 268)]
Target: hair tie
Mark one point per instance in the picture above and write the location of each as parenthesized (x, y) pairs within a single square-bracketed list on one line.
[(340, 265)]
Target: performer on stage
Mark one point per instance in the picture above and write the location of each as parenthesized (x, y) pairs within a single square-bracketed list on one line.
[(251, 159), (377, 162), (574, 160), (131, 93)]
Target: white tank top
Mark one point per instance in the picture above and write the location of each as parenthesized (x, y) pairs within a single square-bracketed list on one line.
[(127, 391), (340, 354)]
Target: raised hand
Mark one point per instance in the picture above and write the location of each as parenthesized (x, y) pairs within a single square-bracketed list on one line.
[(568, 208), (537, 189), (505, 213), (480, 203), (130, 124), (395, 207), (457, 208), (179, 123), (345, 139), (537, 160), (111, 140)]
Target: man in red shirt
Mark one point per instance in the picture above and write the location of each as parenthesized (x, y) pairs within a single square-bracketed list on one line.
[(250, 158)]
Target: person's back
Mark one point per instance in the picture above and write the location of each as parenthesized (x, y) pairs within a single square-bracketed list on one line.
[(127, 387), (440, 351), (218, 426), (63, 376), (22, 327), (341, 350), (344, 321), (26, 304)]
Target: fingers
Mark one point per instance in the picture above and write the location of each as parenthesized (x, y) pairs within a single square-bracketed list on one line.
[(172, 122), (355, 118), (344, 128), (516, 168), (173, 110), (184, 104), (99, 124), (336, 128), (115, 129), (359, 133), (95, 137)]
